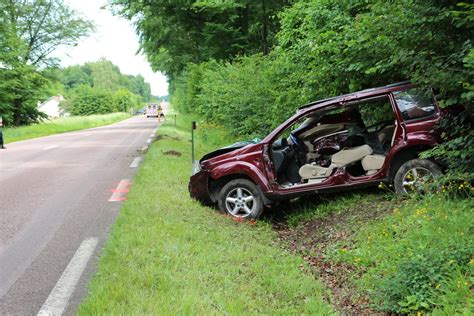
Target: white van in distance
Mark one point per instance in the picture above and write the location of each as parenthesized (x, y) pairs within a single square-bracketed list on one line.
[(152, 109)]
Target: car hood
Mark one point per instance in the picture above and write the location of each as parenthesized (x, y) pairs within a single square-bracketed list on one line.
[(229, 148)]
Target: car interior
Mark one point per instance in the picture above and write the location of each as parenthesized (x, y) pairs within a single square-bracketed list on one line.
[(355, 137)]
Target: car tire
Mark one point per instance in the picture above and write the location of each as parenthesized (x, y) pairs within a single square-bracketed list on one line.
[(241, 198), (412, 176)]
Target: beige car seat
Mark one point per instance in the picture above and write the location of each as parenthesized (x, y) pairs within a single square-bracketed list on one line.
[(372, 163), (339, 159)]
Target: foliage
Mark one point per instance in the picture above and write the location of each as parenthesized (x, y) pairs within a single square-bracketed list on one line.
[(250, 96), (125, 100), (175, 33), (412, 258), (43, 26), (457, 150), (87, 100), (326, 48), (29, 32), (88, 86), (103, 75)]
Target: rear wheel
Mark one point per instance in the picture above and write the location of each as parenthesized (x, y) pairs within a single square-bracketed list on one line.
[(414, 176), (241, 198)]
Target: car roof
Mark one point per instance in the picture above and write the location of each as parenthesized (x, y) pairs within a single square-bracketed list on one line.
[(359, 94)]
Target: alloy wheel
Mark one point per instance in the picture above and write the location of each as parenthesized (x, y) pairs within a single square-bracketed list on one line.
[(415, 179), (240, 202)]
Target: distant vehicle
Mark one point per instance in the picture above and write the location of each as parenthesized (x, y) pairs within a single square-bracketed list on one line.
[(328, 145), (152, 110), (140, 111)]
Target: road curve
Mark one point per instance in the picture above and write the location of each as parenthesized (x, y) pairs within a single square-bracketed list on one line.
[(54, 194)]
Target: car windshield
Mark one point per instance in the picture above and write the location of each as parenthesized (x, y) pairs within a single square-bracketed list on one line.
[(415, 103)]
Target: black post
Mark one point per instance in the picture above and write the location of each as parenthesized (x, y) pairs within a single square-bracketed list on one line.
[(175, 120), (193, 127), (1, 134)]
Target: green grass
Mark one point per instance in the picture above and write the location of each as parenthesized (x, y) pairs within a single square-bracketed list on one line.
[(419, 258), (168, 254), (336, 204), (56, 126)]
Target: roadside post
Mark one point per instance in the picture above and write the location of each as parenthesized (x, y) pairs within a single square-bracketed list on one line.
[(195, 165), (1, 134), (175, 120)]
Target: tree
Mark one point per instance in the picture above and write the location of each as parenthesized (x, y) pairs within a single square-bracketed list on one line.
[(175, 33), (105, 75), (73, 76), (44, 25), (29, 32)]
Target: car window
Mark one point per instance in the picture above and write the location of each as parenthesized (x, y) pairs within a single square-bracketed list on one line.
[(415, 103), (375, 110)]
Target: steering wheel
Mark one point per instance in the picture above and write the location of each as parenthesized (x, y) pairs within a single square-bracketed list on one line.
[(298, 144)]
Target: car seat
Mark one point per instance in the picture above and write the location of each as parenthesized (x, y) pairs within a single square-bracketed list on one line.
[(339, 159), (372, 163)]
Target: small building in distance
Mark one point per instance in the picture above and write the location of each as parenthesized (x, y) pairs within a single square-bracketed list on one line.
[(51, 107)]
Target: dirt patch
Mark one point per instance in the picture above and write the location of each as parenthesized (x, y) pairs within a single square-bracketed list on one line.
[(312, 238), (160, 137), (172, 153)]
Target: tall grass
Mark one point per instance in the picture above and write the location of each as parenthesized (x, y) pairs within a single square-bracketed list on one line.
[(61, 125)]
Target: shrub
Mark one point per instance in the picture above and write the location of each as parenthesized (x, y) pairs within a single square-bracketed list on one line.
[(86, 100), (457, 150)]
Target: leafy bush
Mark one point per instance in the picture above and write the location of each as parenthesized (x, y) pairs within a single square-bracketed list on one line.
[(326, 48), (412, 257), (457, 150), (125, 100), (86, 101)]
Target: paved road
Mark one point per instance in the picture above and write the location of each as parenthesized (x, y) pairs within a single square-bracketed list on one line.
[(54, 194)]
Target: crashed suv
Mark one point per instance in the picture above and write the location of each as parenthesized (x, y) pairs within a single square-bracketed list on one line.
[(360, 139)]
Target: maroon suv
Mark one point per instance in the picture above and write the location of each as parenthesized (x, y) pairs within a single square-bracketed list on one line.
[(354, 140)]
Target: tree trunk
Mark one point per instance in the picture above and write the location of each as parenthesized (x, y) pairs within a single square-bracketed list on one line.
[(265, 48)]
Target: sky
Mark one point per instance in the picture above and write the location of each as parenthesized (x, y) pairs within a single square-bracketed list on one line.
[(116, 40)]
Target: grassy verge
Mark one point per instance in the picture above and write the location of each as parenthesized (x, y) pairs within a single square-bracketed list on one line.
[(61, 125), (167, 254), (376, 252), (417, 259)]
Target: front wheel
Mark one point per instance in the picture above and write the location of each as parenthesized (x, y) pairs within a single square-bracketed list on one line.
[(414, 175), (241, 198)]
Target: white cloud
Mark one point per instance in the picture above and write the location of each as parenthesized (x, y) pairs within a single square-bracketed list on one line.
[(114, 39)]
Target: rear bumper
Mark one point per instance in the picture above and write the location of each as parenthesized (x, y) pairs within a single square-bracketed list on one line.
[(199, 186)]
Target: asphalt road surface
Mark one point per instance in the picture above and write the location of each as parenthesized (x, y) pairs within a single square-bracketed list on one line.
[(59, 196)]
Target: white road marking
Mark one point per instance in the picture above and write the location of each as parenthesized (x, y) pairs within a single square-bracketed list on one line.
[(59, 298), (135, 162), (148, 140), (51, 147), (120, 191)]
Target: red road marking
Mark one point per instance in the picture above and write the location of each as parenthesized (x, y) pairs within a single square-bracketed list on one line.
[(119, 193), (120, 190)]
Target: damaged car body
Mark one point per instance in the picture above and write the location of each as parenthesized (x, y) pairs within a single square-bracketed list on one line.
[(328, 145)]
